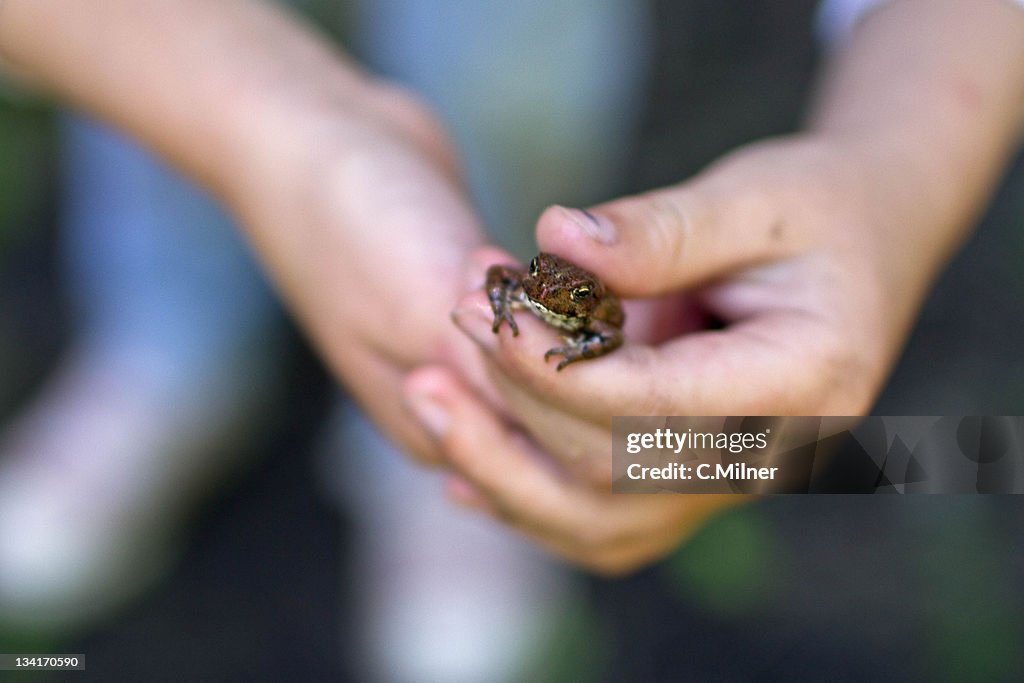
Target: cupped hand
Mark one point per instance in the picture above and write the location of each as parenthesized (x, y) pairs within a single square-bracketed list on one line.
[(780, 281), (365, 228)]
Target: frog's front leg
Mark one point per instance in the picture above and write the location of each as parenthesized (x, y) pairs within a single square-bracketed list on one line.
[(503, 286), (597, 340)]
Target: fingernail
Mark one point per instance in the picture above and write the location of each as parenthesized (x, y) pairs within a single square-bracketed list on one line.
[(460, 490), (431, 414), (463, 493), (595, 226)]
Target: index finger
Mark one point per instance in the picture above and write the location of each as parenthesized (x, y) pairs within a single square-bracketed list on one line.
[(778, 363)]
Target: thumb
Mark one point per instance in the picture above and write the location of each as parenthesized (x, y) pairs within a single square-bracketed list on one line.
[(677, 237)]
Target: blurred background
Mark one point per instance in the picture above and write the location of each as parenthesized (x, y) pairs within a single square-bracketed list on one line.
[(252, 556)]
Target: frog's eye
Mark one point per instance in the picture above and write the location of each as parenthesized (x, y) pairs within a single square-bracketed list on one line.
[(580, 293), (534, 267)]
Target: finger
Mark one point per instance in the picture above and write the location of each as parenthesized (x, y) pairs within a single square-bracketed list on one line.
[(463, 493), (782, 353), (384, 406), (611, 535), (521, 487), (730, 217), (576, 442), (498, 473), (778, 363)]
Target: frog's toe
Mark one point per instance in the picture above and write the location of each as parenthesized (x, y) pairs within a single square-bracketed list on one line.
[(569, 354), (505, 316)]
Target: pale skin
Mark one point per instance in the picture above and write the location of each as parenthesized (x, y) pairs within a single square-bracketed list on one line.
[(346, 186), (816, 249)]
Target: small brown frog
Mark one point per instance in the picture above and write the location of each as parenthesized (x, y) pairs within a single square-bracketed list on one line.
[(564, 296)]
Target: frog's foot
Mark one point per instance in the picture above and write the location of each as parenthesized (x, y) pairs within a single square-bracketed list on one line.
[(502, 308), (501, 284), (503, 313), (585, 347)]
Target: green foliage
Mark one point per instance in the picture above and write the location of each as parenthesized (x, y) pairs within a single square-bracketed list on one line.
[(26, 147), (725, 567), (576, 649), (974, 629)]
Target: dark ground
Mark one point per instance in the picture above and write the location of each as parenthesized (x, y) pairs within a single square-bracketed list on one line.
[(849, 588)]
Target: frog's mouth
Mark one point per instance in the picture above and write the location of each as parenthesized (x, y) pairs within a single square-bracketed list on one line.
[(560, 320)]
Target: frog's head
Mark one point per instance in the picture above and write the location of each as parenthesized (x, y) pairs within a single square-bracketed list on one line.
[(562, 293)]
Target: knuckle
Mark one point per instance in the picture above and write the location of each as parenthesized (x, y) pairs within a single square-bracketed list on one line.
[(843, 384), (671, 227), (661, 226)]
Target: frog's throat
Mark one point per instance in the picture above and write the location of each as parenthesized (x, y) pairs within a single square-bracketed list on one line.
[(559, 320)]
